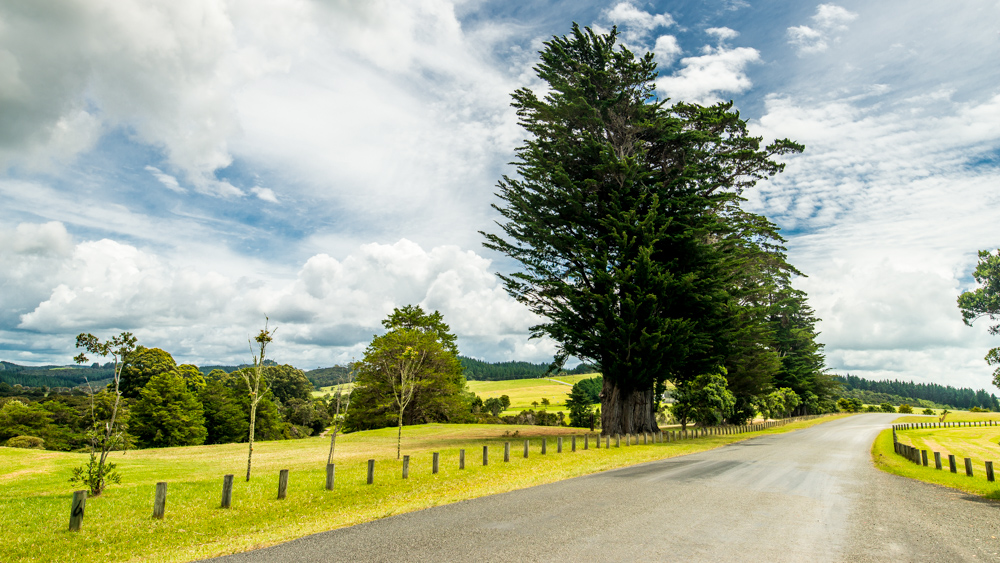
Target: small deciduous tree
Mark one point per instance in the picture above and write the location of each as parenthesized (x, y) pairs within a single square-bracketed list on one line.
[(98, 472), (256, 380), (905, 409)]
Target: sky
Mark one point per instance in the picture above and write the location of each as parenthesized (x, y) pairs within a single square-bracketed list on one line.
[(182, 168)]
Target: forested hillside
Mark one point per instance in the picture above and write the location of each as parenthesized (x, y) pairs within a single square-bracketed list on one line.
[(922, 394), (478, 370), (53, 376)]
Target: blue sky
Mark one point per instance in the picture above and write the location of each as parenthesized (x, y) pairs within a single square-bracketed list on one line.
[(180, 169)]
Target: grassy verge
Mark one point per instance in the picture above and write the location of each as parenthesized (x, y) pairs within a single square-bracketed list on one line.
[(977, 443), (35, 494), (953, 416)]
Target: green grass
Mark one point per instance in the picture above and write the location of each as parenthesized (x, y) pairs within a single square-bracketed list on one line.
[(35, 495), (976, 443), (953, 416)]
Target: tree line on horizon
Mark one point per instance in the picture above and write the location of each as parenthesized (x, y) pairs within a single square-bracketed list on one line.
[(931, 395)]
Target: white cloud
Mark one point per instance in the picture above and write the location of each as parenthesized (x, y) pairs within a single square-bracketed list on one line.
[(636, 23), (266, 194), (328, 312), (667, 50), (166, 179), (829, 21), (723, 33), (888, 214), (702, 79)]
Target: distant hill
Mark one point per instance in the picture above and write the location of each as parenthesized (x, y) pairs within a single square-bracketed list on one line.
[(478, 370), (54, 376), (325, 377), (916, 394)]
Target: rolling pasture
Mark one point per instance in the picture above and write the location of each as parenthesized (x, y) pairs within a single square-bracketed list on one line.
[(35, 492), (979, 443)]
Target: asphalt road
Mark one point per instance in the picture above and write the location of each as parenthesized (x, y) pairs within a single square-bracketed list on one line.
[(810, 495)]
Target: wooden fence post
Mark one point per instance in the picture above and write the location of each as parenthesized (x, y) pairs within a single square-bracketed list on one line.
[(282, 483), (951, 463), (461, 459), (330, 469), (559, 445), (989, 470), (526, 449), (572, 443), (923, 457), (506, 451), (597, 442), (160, 500), (77, 508), (618, 440), (434, 464), (406, 467), (607, 441), (544, 443), (486, 455), (968, 466), (371, 471), (937, 460), (227, 491), (586, 441)]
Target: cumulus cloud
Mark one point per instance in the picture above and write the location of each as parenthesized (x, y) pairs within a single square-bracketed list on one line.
[(667, 49), (702, 79), (327, 313), (829, 21), (636, 23)]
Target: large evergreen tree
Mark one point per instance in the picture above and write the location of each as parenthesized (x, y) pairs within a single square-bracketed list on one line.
[(618, 217), (168, 413)]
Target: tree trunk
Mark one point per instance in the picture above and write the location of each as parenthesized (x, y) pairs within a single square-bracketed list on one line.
[(626, 411), (253, 419)]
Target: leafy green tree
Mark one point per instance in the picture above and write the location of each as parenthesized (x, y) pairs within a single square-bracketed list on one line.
[(613, 217), (193, 378), (288, 382), (142, 365), (706, 400), (580, 402), (412, 349), (905, 409), (19, 419), (929, 411), (493, 406), (887, 407), (505, 401), (985, 302), (225, 419), (168, 413)]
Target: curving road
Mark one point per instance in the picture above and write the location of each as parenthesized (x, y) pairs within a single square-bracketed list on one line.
[(810, 495)]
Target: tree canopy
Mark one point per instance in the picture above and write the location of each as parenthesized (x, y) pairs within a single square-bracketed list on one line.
[(439, 393), (624, 216), (985, 302)]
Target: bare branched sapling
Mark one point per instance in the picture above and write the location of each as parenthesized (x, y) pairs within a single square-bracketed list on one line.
[(344, 392), (256, 380), (402, 374)]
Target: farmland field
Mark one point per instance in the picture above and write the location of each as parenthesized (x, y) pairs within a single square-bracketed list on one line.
[(35, 493)]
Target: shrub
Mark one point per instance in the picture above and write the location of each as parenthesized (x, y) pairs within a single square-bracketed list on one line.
[(905, 409), (873, 408), (977, 409), (28, 442), (886, 407), (928, 411)]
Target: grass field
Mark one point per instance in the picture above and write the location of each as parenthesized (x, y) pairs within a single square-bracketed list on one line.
[(521, 391), (978, 443), (35, 495)]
